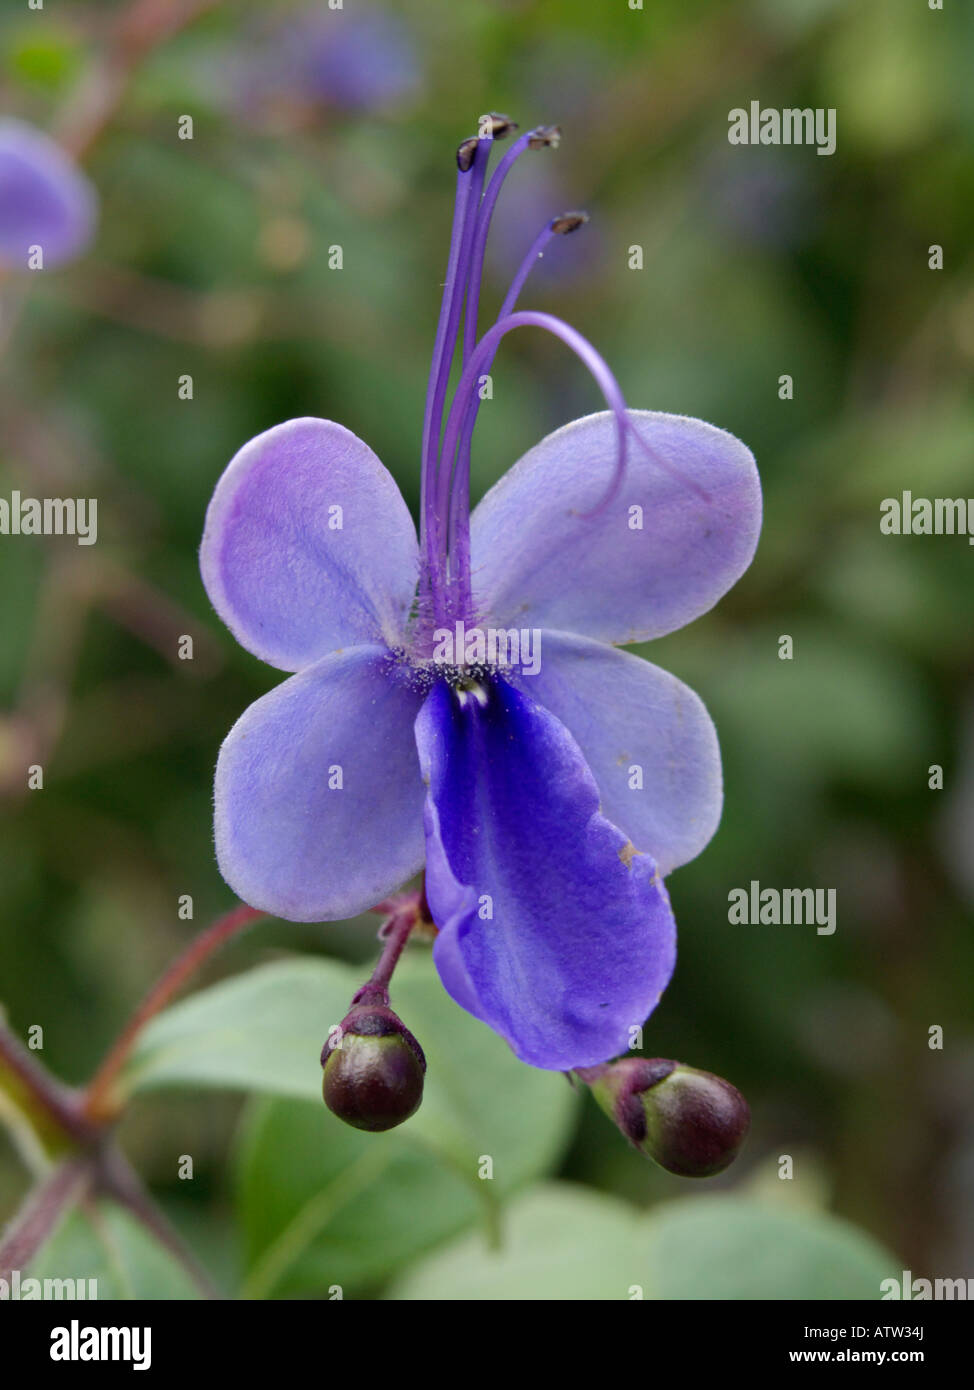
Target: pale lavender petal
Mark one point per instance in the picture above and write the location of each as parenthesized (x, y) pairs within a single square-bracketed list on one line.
[(319, 799), (681, 529), (551, 930), (309, 546), (648, 739), (45, 199)]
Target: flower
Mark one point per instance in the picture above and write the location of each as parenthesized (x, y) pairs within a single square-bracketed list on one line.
[(364, 61), (361, 62), (45, 200), (548, 800)]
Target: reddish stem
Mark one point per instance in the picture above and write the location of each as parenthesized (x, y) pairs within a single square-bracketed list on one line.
[(41, 1213), (395, 934), (119, 1180), (590, 1075), (57, 1101), (99, 1105), (138, 31)]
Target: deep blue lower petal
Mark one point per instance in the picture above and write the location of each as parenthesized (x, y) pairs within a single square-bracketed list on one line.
[(552, 930)]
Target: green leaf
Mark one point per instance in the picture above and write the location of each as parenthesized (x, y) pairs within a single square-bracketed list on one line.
[(725, 1247), (109, 1246), (479, 1101), (559, 1242), (566, 1243), (260, 1031), (328, 1205), (263, 1031), (323, 1205), (50, 60)]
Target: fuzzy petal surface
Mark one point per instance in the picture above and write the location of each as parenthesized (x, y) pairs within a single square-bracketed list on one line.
[(309, 546), (647, 737), (680, 530), (319, 800)]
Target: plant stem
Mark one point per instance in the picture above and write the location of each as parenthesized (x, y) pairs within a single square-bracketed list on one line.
[(99, 1105), (58, 1102), (118, 1179), (590, 1075), (396, 934), (41, 1211), (137, 32)]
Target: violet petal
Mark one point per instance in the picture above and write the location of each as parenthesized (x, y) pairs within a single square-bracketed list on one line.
[(550, 930), (318, 794), (538, 561), (308, 546)]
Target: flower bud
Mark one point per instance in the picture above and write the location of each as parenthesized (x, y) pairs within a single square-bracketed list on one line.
[(374, 1069), (690, 1122)]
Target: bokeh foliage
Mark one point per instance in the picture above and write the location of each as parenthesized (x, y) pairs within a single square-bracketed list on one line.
[(213, 260)]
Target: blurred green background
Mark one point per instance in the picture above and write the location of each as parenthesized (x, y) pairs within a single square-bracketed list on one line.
[(212, 260)]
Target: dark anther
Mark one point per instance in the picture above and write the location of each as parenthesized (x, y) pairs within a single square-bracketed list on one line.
[(545, 137), (465, 153), (568, 222), (494, 126)]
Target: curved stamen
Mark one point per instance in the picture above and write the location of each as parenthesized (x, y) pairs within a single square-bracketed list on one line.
[(463, 413), (472, 156), (558, 226), (540, 138), (458, 530), (431, 418), (445, 527), (564, 225)]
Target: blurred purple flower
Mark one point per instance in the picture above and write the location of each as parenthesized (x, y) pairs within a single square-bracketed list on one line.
[(548, 801), (45, 200), (756, 196), (361, 61)]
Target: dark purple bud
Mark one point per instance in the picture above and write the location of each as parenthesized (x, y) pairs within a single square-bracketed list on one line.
[(374, 1069), (546, 137), (568, 222), (690, 1122), (465, 153)]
